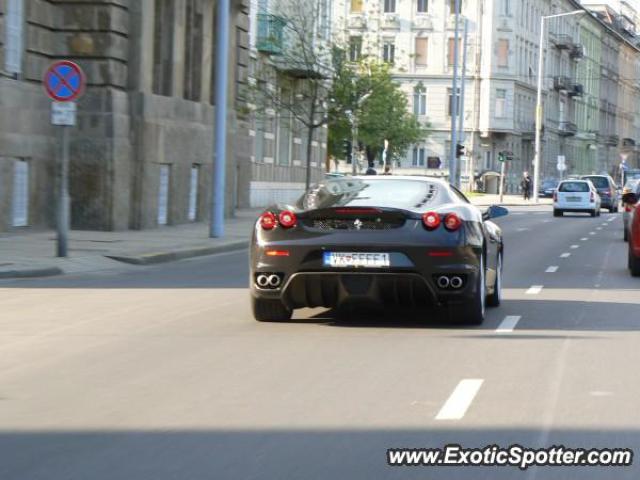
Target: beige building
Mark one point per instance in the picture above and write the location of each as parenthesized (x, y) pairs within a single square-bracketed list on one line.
[(142, 152), (500, 90)]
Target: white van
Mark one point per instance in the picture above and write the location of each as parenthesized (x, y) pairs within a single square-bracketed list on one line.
[(576, 196)]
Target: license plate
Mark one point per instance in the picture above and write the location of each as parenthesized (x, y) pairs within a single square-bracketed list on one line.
[(574, 199), (356, 259)]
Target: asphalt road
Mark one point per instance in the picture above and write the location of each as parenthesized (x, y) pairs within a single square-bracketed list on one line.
[(162, 373)]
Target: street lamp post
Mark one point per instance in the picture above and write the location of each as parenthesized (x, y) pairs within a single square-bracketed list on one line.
[(536, 158)]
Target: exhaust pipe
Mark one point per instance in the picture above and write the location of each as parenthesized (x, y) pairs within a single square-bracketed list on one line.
[(443, 282), (262, 281), (456, 282), (274, 281)]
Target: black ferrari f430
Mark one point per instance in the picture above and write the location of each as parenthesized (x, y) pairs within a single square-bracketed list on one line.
[(391, 240)]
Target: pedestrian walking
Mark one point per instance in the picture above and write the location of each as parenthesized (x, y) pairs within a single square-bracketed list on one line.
[(526, 185)]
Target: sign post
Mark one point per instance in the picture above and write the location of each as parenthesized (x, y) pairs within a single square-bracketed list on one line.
[(503, 158), (64, 82)]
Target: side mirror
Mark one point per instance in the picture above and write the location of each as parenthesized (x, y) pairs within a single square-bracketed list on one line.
[(630, 198), (495, 211)]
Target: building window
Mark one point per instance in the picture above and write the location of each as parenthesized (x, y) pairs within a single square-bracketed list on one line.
[(193, 192), (163, 48), (503, 52), (388, 51), (419, 101), (452, 7), (14, 36), (451, 51), (421, 51), (423, 6), (163, 194), (20, 197), (419, 155), (355, 48), (356, 6), (450, 103), (506, 8), (389, 6), (501, 103), (193, 50)]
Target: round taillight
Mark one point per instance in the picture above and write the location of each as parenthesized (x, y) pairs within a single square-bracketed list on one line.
[(268, 221), (452, 222), (431, 220), (287, 219)]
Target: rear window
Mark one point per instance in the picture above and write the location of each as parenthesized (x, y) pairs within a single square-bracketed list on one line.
[(599, 182), (574, 187), (356, 192)]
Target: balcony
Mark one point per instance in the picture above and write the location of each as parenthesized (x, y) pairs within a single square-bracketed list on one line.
[(576, 90), (567, 129), (423, 22), (390, 20), (577, 51), (560, 82), (612, 140), (357, 21), (562, 41), (628, 143), (270, 34)]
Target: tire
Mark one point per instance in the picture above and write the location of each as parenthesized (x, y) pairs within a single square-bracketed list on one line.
[(634, 263), (598, 212), (269, 310), (593, 213), (557, 213), (494, 299), (472, 312), (625, 235)]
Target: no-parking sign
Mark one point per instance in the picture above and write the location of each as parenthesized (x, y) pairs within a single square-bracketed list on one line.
[(64, 81)]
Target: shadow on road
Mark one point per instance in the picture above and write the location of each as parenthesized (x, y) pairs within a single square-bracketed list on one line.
[(284, 453)]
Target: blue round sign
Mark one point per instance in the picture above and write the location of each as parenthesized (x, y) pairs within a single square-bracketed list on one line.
[(64, 81)]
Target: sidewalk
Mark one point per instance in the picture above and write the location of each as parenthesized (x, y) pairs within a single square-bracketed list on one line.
[(484, 200), (33, 254)]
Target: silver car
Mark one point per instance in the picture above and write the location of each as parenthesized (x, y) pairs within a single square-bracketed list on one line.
[(632, 186)]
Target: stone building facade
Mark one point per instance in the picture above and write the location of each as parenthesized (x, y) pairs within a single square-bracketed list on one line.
[(142, 152), (588, 102)]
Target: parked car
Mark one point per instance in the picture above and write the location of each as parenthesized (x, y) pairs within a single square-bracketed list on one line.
[(632, 186), (631, 199), (607, 189), (396, 240), (547, 188), (576, 196)]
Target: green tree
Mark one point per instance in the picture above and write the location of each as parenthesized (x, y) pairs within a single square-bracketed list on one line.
[(383, 115)]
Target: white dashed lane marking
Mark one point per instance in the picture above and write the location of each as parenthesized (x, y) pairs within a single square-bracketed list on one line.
[(534, 290), (565, 255), (552, 269), (508, 324), (460, 400), (584, 239), (592, 233)]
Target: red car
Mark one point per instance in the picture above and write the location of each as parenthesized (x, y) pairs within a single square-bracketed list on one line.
[(634, 233)]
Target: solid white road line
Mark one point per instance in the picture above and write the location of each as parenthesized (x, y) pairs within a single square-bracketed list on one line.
[(460, 400), (575, 246), (534, 289), (508, 324), (565, 255), (552, 269)]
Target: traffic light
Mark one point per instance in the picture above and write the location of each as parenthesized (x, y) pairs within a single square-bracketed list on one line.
[(459, 150), (346, 150)]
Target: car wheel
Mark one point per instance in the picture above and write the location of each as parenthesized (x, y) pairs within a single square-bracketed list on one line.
[(494, 299), (593, 213), (557, 213), (598, 212), (634, 263), (472, 313), (625, 235), (269, 310)]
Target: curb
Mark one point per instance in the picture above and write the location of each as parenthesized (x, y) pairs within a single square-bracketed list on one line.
[(171, 256), (31, 272)]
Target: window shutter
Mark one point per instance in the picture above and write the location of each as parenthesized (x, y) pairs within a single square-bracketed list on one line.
[(14, 36)]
